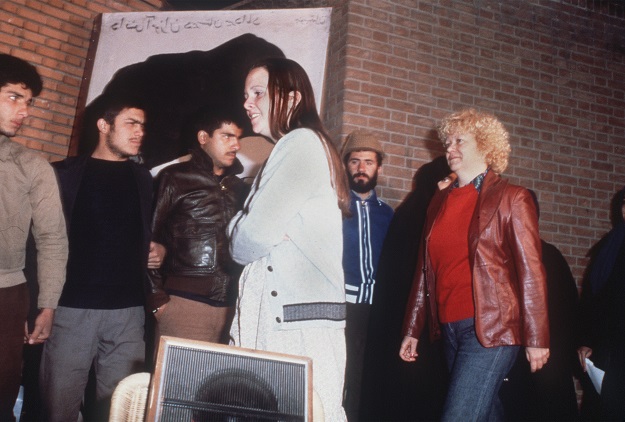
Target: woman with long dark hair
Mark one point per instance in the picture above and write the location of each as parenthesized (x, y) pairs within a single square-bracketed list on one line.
[(289, 234)]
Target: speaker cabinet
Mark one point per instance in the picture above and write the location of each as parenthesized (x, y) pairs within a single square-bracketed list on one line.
[(199, 381)]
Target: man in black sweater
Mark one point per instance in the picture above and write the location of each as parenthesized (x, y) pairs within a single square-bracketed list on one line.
[(100, 319)]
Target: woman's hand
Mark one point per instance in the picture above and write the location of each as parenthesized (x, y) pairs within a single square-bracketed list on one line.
[(537, 357), (583, 353), (408, 349)]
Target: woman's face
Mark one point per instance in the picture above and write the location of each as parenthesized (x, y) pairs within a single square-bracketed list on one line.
[(257, 101), (463, 156)]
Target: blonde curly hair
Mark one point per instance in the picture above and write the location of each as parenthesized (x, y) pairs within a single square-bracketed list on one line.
[(490, 134)]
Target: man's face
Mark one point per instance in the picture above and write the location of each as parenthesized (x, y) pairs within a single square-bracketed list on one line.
[(15, 99), (123, 138), (222, 146), (362, 169)]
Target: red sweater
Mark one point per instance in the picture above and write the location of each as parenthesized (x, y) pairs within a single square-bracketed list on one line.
[(449, 253)]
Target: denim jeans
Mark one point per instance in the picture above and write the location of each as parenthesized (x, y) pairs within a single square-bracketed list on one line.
[(476, 374)]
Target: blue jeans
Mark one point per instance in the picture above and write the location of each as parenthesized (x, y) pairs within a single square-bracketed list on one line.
[(476, 374)]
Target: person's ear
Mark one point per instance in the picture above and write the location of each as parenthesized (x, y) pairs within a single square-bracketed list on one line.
[(103, 126), (294, 98), (202, 137)]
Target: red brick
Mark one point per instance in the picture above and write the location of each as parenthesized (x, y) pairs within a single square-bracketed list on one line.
[(399, 66)]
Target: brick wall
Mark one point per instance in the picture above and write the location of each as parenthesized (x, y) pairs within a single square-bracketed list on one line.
[(551, 70), (54, 36)]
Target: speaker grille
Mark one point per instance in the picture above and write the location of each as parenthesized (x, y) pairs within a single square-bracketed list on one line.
[(208, 384)]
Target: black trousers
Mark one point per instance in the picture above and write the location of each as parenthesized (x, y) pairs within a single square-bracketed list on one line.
[(356, 328)]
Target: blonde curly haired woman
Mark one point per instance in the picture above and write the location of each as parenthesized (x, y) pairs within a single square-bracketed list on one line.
[(480, 280)]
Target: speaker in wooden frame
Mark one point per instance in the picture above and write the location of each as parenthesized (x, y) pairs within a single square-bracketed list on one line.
[(199, 381)]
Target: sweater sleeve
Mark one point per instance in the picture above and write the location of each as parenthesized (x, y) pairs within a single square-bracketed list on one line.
[(50, 235), (292, 174)]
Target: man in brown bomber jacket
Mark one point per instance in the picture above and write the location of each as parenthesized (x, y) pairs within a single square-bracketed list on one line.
[(193, 294)]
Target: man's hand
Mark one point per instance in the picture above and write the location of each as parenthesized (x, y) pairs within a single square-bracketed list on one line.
[(160, 310), (43, 327), (156, 256), (408, 349), (537, 357), (442, 184), (583, 353)]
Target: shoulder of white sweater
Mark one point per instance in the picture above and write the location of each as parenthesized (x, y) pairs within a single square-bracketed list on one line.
[(302, 139)]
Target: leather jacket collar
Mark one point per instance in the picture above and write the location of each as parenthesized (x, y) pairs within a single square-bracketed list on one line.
[(205, 162)]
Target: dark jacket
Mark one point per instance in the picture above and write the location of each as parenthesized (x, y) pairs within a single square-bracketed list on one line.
[(193, 208), (393, 389), (602, 320), (70, 175), (509, 281)]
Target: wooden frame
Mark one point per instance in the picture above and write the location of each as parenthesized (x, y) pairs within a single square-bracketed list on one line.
[(167, 344)]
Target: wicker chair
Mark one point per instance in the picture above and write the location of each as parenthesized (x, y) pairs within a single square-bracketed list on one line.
[(129, 398)]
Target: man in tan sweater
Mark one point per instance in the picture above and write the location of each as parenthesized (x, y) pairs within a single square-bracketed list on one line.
[(29, 200)]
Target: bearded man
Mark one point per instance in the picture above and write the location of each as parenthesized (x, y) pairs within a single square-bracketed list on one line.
[(363, 236)]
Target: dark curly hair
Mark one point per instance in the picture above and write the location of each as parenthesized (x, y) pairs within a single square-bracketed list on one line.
[(17, 71)]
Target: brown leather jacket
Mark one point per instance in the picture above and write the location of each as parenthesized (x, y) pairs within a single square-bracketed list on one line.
[(193, 209), (509, 280)]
